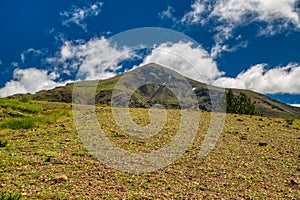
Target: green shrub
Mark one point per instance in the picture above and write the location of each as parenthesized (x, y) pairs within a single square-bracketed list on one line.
[(10, 196), (3, 143), (24, 99), (289, 121)]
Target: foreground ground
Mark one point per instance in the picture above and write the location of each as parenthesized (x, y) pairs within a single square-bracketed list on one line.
[(255, 158)]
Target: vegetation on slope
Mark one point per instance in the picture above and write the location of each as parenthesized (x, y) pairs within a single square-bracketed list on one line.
[(240, 104), (150, 94), (255, 158)]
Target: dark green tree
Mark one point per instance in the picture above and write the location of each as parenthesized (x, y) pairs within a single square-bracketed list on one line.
[(230, 100), (240, 104)]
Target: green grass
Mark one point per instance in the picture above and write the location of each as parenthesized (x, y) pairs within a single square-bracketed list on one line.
[(21, 123), (10, 196), (20, 105), (22, 114)]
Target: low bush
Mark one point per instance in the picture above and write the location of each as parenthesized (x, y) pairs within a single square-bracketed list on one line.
[(289, 121), (10, 196)]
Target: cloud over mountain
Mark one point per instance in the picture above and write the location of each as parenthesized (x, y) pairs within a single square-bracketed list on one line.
[(30, 80)]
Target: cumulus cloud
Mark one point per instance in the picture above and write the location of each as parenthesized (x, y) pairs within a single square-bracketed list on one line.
[(30, 80), (77, 15), (282, 79), (95, 59), (185, 59), (224, 16)]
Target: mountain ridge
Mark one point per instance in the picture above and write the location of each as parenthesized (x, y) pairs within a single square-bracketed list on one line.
[(150, 94)]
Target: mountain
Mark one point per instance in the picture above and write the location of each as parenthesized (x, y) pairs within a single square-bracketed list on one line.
[(152, 93)]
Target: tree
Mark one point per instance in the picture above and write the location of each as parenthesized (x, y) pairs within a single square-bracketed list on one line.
[(240, 104), (230, 100)]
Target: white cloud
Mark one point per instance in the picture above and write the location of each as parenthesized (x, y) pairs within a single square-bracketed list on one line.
[(78, 15), (30, 80), (240, 12), (35, 52), (282, 79), (167, 14), (224, 16), (295, 105), (185, 59), (15, 64), (195, 16), (95, 59)]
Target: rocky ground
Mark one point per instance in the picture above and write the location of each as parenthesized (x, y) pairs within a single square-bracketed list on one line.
[(255, 158)]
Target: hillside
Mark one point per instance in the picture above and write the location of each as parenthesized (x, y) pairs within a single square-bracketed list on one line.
[(255, 157), (150, 94)]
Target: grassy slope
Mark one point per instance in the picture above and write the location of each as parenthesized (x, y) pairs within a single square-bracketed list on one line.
[(266, 106), (237, 168)]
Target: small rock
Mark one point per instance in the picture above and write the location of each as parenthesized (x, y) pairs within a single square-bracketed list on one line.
[(67, 140), (58, 162), (293, 182), (262, 144), (240, 120), (202, 188), (60, 178), (243, 137)]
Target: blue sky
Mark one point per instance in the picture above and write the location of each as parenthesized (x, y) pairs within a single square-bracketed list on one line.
[(248, 44)]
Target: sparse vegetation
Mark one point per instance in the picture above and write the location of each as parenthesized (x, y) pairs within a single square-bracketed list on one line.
[(48, 161), (289, 121)]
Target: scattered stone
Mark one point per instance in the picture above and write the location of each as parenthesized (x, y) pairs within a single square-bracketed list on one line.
[(262, 144), (240, 120), (293, 182), (261, 119), (244, 137), (58, 162), (60, 178), (67, 140), (202, 188)]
